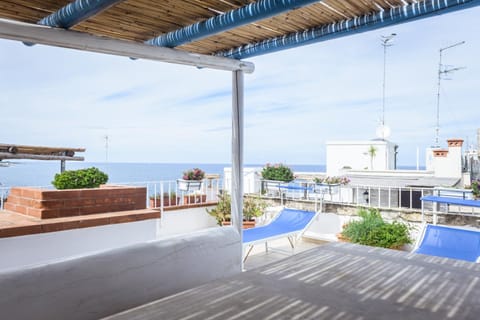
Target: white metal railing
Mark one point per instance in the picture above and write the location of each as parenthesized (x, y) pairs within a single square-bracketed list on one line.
[(3, 195), (364, 195), (207, 192), (166, 193)]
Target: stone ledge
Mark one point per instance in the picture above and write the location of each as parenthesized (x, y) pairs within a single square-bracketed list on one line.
[(14, 224)]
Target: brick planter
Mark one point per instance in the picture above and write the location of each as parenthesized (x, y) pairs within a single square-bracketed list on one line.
[(46, 204)]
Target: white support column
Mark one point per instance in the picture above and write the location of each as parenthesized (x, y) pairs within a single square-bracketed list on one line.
[(237, 150)]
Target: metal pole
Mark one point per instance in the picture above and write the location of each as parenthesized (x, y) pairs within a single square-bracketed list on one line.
[(385, 44), (62, 165), (237, 151), (440, 72)]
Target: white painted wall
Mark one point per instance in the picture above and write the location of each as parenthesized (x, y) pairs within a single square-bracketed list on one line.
[(445, 167), (354, 154), (38, 249), (251, 180), (97, 285), (184, 221)]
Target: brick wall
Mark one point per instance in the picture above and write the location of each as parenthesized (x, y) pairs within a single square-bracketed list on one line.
[(46, 204)]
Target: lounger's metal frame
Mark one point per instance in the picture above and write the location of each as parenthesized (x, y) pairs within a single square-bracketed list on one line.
[(291, 236)]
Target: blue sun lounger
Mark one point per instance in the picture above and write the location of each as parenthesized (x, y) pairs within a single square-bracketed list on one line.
[(455, 243), (289, 223), (449, 242)]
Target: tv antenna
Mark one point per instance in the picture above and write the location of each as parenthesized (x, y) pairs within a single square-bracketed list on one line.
[(386, 41), (106, 147), (443, 70)]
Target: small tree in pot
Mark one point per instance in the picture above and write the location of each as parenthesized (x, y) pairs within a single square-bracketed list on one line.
[(253, 207)]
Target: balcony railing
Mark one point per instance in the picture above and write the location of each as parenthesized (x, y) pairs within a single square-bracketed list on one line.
[(207, 192), (386, 197)]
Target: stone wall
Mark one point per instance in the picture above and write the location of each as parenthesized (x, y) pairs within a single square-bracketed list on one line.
[(398, 214)]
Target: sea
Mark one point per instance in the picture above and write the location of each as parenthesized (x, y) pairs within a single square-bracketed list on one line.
[(41, 173)]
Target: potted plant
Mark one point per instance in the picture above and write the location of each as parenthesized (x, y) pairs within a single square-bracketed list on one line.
[(191, 180), (373, 231), (275, 175), (476, 188), (253, 207), (80, 192), (169, 199), (325, 185), (277, 172)]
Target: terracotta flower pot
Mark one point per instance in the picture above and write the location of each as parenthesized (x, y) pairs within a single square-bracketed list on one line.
[(167, 202), (194, 198), (246, 224)]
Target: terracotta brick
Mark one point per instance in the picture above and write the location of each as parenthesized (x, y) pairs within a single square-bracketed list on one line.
[(20, 209), (61, 194), (68, 212), (80, 202), (15, 191), (86, 223), (56, 226), (74, 224), (52, 213), (154, 214), (10, 206), (13, 198), (123, 219), (37, 213), (21, 231), (52, 204)]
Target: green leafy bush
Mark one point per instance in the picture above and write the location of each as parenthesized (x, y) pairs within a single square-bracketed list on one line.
[(371, 230), (78, 179), (278, 172), (476, 188)]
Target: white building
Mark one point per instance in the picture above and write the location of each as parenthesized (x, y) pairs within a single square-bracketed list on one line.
[(446, 162), (374, 154)]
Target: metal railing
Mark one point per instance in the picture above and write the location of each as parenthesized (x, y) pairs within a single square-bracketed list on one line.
[(206, 192), (3, 195), (386, 197)]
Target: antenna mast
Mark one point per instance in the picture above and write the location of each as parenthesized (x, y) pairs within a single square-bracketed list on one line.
[(442, 71), (106, 148)]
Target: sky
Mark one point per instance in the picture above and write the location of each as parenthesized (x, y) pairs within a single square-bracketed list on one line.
[(295, 101)]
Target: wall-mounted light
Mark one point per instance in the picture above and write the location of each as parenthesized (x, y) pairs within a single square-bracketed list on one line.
[(366, 196)]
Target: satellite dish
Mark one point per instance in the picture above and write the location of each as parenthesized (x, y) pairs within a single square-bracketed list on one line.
[(383, 132)]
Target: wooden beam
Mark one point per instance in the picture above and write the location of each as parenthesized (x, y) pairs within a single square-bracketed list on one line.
[(31, 33), (7, 155)]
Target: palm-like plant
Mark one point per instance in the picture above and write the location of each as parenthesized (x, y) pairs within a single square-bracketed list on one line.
[(372, 151)]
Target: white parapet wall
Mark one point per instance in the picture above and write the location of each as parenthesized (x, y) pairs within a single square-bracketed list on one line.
[(50, 247), (97, 285)]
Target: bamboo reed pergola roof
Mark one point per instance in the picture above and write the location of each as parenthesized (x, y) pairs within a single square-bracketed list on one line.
[(142, 20)]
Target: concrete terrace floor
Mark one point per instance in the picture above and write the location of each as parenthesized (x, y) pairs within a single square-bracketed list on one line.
[(332, 281)]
